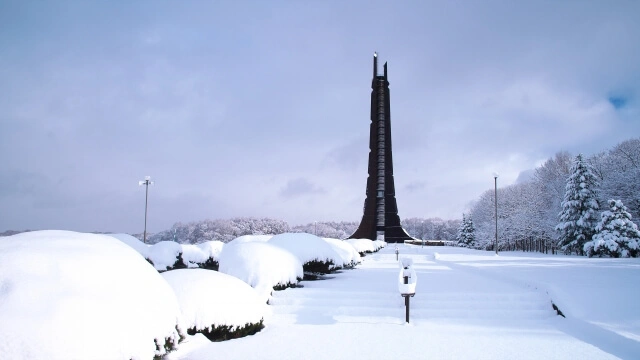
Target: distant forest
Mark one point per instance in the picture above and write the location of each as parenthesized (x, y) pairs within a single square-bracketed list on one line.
[(226, 230)]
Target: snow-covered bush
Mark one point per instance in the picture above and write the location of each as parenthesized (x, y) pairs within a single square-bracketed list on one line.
[(262, 265), (193, 256), (616, 235), (170, 255), (218, 305), (362, 246), (212, 251), (378, 244), (166, 255), (350, 257), (251, 238), (316, 255), (61, 297)]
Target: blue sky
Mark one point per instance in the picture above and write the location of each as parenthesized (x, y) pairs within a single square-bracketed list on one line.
[(255, 108)]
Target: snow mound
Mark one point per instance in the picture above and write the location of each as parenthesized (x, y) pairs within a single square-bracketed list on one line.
[(362, 245), (208, 298), (347, 252), (307, 247), (61, 297), (261, 265), (251, 238), (165, 254), (136, 244), (212, 249)]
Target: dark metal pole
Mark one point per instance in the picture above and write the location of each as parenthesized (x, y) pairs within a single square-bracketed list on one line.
[(495, 178), (406, 302)]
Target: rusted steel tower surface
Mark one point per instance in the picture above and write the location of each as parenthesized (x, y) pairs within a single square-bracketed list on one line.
[(380, 219)]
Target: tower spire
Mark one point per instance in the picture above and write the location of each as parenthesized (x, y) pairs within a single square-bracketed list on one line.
[(380, 218), (375, 64)]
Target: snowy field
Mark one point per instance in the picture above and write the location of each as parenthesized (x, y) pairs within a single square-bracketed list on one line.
[(67, 295), (469, 305)]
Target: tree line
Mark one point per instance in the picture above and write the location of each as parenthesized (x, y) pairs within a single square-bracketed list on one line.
[(226, 230), (567, 202)]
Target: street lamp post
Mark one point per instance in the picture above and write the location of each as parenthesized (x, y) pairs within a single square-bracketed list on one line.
[(146, 182), (495, 179)]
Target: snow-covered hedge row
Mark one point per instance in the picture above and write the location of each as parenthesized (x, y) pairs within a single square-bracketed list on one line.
[(378, 244), (362, 246), (170, 255), (316, 255), (61, 297), (261, 264), (350, 257), (366, 246), (218, 305)]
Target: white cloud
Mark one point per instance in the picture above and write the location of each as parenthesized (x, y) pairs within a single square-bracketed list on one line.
[(239, 114)]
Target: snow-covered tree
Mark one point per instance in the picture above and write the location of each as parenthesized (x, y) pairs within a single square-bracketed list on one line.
[(466, 233), (616, 235), (619, 173), (431, 228), (460, 236), (578, 217)]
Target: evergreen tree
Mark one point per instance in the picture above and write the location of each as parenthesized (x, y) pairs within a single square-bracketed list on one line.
[(460, 237), (579, 207), (616, 235), (466, 233)]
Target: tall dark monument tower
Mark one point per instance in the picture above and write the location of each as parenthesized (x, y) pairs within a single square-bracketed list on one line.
[(380, 207)]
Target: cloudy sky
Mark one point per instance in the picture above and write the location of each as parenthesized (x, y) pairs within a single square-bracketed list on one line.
[(261, 108)]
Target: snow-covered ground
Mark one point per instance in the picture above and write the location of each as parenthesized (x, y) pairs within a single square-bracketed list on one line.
[(468, 305), (69, 295)]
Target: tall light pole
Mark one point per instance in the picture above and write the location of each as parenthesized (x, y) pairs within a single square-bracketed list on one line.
[(146, 182), (495, 179)]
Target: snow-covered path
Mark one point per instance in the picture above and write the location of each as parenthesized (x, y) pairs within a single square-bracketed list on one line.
[(458, 313), (443, 294)]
